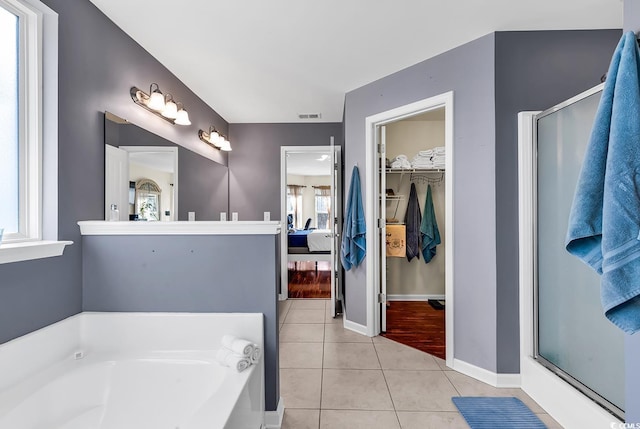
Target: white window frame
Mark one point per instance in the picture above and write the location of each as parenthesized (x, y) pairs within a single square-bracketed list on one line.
[(315, 209), (38, 128)]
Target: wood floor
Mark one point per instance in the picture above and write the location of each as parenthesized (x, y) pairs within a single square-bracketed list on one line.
[(418, 325), (308, 281)]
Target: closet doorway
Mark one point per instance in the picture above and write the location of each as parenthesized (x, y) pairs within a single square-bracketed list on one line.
[(311, 207), (410, 168)]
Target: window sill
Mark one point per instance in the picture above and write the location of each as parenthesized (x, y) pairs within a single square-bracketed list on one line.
[(28, 250)]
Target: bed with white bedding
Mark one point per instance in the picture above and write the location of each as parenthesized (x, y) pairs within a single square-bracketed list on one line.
[(316, 248)]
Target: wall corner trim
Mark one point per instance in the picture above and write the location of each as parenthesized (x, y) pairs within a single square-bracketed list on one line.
[(356, 327), (273, 419)]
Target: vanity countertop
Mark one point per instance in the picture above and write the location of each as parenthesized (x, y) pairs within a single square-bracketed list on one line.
[(101, 227)]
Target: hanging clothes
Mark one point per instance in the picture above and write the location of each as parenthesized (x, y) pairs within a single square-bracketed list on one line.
[(429, 229), (412, 220), (354, 243), (605, 214)]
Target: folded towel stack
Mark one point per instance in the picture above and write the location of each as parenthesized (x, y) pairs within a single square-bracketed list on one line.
[(400, 161), (237, 353), (430, 158)]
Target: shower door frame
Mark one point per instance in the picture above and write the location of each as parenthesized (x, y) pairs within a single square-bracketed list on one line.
[(570, 405)]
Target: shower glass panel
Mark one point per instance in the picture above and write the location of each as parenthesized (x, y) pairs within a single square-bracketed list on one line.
[(573, 337)]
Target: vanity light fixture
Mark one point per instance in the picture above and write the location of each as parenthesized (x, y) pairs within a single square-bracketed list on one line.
[(161, 105), (215, 139)]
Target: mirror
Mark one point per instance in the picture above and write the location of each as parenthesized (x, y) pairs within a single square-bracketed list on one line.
[(169, 173)]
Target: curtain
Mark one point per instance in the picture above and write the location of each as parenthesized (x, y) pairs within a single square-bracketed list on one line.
[(294, 203), (323, 206), (322, 191)]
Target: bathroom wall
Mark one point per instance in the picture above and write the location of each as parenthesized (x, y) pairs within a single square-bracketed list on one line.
[(195, 273), (468, 71), (98, 63), (534, 71), (254, 164), (492, 78)]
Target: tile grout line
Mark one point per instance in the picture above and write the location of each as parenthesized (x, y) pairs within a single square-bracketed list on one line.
[(324, 333), (384, 376)]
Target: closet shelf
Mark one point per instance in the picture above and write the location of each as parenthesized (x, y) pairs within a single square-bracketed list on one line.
[(413, 170), (398, 197)]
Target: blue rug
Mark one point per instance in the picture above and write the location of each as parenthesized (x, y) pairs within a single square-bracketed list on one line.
[(496, 413)]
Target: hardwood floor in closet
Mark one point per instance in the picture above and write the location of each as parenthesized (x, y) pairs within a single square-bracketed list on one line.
[(306, 280), (418, 325)]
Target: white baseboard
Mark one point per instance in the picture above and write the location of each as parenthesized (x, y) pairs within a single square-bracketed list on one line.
[(486, 376), (355, 327), (413, 297), (273, 419)]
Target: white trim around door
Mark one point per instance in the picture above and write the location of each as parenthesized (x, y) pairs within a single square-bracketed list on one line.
[(373, 266)]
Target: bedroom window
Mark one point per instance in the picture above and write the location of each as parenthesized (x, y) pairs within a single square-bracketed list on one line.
[(294, 204), (323, 206)]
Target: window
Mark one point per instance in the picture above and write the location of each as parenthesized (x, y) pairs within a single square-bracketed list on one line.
[(20, 122), (28, 127), (294, 204), (323, 206), (9, 136)]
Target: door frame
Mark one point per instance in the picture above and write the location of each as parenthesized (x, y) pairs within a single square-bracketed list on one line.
[(284, 275), (371, 200)]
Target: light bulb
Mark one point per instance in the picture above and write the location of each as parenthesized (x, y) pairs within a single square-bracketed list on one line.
[(226, 146), (215, 139), (170, 109), (182, 118), (156, 101)]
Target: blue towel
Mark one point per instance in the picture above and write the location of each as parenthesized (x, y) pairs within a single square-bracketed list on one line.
[(354, 242), (412, 219), (429, 229), (605, 216)]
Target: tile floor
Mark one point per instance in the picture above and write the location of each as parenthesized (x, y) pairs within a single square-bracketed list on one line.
[(333, 378)]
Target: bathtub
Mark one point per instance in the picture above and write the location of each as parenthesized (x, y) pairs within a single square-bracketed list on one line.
[(131, 370)]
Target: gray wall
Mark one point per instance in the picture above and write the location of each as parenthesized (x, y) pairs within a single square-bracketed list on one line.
[(534, 71), (203, 184), (487, 77), (632, 342), (98, 63), (469, 72), (188, 274), (254, 164)]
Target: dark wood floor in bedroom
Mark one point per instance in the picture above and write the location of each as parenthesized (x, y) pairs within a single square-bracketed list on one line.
[(418, 325), (307, 282)]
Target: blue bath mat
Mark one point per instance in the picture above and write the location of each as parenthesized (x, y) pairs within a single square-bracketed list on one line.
[(496, 413)]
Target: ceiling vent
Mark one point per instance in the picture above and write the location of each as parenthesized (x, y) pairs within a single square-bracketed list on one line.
[(309, 115)]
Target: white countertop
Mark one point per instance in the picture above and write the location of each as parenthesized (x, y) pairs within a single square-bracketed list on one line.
[(101, 227)]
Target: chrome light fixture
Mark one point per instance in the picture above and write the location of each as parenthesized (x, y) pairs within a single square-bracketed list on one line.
[(160, 105), (215, 139)]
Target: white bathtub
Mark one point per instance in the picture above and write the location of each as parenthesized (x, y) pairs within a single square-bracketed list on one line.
[(130, 370)]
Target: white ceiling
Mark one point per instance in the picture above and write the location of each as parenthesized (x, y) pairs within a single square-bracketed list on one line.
[(163, 161), (309, 163), (268, 61)]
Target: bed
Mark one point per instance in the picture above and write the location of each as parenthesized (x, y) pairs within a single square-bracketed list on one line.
[(309, 245)]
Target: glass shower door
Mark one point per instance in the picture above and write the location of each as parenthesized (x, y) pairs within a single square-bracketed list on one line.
[(573, 337)]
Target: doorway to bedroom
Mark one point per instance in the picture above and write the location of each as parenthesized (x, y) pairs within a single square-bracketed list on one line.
[(311, 210)]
